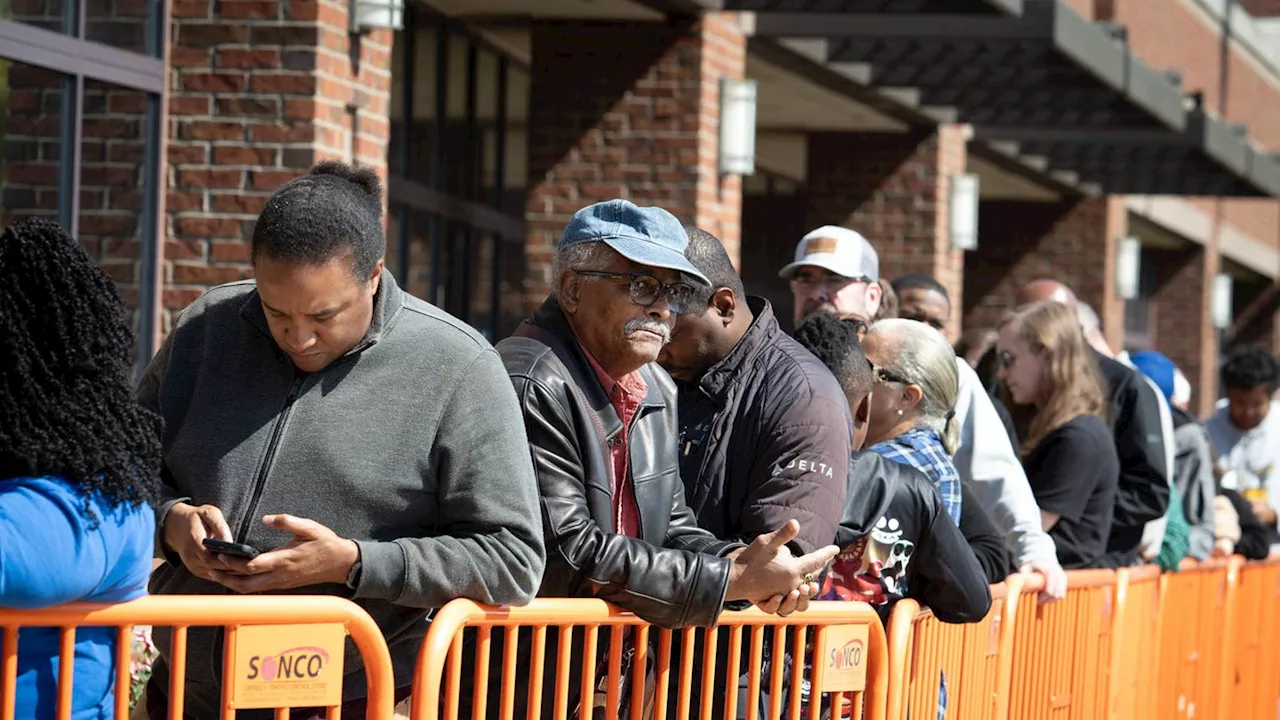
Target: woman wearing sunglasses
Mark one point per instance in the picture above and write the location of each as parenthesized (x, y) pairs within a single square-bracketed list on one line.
[(1068, 450)]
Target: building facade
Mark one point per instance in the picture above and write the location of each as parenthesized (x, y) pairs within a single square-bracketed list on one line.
[(1127, 147)]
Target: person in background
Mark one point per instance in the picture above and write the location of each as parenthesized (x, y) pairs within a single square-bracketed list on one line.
[(1143, 490), (1154, 547), (366, 442), (985, 458), (912, 421), (1068, 452), (915, 549), (1245, 431), (763, 426), (79, 462), (924, 299), (1193, 478)]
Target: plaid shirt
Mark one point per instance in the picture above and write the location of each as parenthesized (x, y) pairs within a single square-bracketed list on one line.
[(922, 449)]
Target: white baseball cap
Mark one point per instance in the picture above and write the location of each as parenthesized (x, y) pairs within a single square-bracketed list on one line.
[(839, 250)]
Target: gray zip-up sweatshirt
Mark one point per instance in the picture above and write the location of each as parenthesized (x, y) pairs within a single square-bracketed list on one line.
[(412, 445)]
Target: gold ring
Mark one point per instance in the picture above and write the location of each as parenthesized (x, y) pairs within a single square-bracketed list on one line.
[(808, 578)]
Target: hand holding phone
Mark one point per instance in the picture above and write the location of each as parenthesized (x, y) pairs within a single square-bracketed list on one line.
[(223, 547)]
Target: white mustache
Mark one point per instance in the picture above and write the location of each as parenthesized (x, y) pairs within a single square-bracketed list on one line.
[(652, 326)]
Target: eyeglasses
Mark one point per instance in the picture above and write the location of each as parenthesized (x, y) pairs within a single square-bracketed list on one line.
[(832, 283), (882, 375), (646, 289)]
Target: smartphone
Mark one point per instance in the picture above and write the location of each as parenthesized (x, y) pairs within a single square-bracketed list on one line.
[(240, 550)]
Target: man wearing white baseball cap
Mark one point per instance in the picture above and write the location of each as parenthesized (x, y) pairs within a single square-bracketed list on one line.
[(836, 271)]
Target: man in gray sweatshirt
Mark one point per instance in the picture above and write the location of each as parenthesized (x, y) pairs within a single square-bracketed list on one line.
[(367, 443)]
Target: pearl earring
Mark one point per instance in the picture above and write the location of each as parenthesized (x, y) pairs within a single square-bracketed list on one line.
[(899, 412)]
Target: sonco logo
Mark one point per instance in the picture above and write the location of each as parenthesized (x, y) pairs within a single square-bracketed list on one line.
[(844, 658), (300, 663)]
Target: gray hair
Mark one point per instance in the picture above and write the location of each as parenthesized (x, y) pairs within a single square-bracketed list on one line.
[(924, 357), (583, 256)]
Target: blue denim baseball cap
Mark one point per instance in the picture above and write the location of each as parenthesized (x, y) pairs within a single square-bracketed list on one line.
[(645, 235)]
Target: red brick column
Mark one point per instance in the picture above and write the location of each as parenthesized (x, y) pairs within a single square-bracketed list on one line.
[(261, 90), (1182, 310), (894, 189), (1074, 242), (628, 111)]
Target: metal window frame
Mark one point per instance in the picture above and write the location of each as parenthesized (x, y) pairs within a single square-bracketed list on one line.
[(79, 60), (481, 219)]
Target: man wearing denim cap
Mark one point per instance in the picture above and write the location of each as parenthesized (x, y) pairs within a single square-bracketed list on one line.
[(602, 421), (836, 271)]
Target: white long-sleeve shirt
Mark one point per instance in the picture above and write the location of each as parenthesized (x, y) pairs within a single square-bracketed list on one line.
[(988, 464)]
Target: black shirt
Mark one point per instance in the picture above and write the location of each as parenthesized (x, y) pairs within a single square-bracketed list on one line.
[(985, 540), (1073, 473)]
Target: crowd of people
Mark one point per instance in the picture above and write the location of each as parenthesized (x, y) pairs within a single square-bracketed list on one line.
[(650, 436)]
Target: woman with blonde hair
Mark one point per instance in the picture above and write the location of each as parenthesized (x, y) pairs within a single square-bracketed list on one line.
[(1068, 451), (912, 418)]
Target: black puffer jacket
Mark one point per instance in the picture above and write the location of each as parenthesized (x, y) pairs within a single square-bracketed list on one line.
[(674, 574), (765, 437)]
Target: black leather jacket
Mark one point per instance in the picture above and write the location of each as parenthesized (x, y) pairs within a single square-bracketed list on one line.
[(674, 575)]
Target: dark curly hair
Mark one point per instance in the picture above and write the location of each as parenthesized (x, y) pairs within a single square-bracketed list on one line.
[(1249, 367), (334, 211), (65, 391), (835, 342)]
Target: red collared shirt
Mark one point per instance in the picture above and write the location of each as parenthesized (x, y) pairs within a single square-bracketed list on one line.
[(625, 394)]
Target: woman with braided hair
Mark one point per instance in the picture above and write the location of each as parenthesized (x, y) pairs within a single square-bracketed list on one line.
[(79, 460)]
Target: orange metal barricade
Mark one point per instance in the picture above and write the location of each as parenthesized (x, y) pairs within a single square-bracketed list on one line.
[(1196, 629), (1062, 650), (1253, 688), (437, 687), (1133, 642), (976, 659), (181, 613)]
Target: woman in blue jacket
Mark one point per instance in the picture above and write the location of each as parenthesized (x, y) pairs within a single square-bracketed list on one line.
[(79, 460)]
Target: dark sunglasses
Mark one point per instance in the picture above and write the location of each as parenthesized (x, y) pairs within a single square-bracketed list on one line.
[(882, 375), (646, 289)]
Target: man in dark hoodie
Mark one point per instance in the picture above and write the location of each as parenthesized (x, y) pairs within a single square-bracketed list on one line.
[(379, 436)]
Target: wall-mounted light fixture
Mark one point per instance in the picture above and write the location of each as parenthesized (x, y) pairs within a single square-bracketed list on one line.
[(1220, 308), (364, 15), (1128, 267), (737, 126), (963, 220)]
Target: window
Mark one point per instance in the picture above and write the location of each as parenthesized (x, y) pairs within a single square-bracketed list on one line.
[(81, 86), (457, 163)]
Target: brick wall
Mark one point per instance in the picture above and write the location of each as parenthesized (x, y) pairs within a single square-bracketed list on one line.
[(260, 91), (1175, 35), (1181, 307), (112, 167), (627, 111), (893, 188), (1025, 241)]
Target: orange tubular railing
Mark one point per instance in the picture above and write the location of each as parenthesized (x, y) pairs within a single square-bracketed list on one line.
[(438, 680), (181, 613), (1061, 649), (1133, 640), (1196, 629), (1252, 689), (975, 658)]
